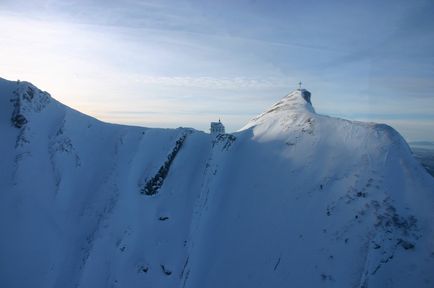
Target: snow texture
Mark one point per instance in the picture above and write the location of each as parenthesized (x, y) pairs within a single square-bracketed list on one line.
[(294, 199)]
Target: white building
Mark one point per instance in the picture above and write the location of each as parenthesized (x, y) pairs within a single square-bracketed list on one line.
[(217, 128)]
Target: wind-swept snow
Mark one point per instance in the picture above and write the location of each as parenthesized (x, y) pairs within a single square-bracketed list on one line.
[(293, 199)]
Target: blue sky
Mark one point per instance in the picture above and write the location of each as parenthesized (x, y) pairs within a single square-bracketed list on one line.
[(186, 63)]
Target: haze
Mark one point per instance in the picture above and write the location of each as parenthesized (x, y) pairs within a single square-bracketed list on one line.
[(186, 63)]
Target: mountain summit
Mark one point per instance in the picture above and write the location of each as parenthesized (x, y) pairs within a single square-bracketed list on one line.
[(293, 199), (295, 104)]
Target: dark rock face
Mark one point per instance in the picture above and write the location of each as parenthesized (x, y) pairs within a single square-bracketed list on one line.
[(154, 184), (19, 120), (26, 100), (306, 95), (29, 94)]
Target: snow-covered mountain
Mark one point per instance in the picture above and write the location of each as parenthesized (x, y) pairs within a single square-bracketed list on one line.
[(294, 199)]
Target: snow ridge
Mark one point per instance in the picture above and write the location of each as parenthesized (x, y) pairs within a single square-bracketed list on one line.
[(287, 200)]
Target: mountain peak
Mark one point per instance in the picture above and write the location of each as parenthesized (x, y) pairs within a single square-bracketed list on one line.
[(297, 102), (301, 96)]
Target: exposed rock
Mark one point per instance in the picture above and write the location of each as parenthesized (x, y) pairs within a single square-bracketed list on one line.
[(19, 120)]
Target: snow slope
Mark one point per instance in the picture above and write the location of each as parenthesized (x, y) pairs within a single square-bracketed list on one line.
[(424, 153), (292, 199)]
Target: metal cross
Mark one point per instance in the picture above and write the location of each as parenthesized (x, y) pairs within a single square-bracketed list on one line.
[(299, 85)]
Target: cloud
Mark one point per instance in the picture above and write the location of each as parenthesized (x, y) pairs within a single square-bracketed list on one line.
[(184, 61), (217, 82)]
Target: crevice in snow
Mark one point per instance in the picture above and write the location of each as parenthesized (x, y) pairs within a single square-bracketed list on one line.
[(183, 268), (277, 264), (61, 145), (224, 140), (165, 270)]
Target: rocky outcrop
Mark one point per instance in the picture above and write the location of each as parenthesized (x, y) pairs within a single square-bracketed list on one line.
[(26, 100)]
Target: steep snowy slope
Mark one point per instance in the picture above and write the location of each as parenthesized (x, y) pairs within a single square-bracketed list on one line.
[(424, 153), (293, 199)]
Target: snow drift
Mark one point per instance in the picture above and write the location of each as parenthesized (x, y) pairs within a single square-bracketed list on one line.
[(293, 199)]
